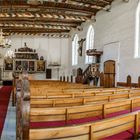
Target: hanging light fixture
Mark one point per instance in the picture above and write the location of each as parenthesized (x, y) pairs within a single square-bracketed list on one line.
[(10, 54), (4, 42)]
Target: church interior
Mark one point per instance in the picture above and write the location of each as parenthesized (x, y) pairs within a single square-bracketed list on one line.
[(69, 69)]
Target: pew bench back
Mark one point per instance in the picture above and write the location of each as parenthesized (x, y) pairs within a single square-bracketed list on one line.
[(85, 111), (63, 102), (90, 131)]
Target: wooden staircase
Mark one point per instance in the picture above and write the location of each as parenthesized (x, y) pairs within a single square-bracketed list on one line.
[(86, 75), (89, 74)]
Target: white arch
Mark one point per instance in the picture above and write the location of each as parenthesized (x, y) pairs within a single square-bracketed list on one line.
[(89, 43)]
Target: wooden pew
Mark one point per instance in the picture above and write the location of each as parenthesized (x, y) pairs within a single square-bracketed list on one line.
[(23, 121), (78, 112), (75, 94), (71, 93), (69, 90), (95, 130), (58, 84), (90, 131), (63, 102), (37, 84)]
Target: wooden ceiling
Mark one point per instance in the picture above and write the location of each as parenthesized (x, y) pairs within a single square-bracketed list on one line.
[(47, 16)]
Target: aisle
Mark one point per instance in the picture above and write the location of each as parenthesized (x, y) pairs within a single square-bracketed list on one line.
[(9, 130), (5, 93)]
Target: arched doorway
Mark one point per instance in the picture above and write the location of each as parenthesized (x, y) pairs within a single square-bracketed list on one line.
[(109, 73)]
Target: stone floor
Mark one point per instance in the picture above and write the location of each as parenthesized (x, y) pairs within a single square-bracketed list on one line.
[(9, 130)]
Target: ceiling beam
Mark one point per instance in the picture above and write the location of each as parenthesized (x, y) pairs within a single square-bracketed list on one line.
[(37, 10), (40, 20), (34, 31), (47, 15), (74, 25), (33, 27), (50, 5), (92, 2)]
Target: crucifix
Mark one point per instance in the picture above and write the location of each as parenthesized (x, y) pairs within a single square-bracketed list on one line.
[(80, 42)]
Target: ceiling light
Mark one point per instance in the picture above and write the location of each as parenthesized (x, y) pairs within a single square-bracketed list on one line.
[(4, 42)]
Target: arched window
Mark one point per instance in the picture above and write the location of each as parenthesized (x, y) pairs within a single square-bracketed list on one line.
[(89, 43), (137, 33), (75, 50)]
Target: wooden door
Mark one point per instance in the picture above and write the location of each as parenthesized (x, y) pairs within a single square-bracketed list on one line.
[(109, 73), (48, 73)]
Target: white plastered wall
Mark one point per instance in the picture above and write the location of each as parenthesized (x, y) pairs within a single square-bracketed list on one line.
[(116, 26), (52, 49)]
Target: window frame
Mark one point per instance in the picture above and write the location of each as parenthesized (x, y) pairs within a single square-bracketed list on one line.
[(89, 44), (137, 32), (75, 46)]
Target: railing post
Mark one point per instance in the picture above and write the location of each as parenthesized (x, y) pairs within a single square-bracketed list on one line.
[(67, 78), (64, 79), (71, 79), (139, 82), (129, 81), (60, 78)]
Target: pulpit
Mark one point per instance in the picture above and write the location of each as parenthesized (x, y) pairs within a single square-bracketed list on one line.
[(94, 68)]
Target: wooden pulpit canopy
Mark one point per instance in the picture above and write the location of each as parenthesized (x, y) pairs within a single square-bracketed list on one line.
[(94, 52)]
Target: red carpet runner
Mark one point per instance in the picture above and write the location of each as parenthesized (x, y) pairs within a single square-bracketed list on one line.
[(4, 101)]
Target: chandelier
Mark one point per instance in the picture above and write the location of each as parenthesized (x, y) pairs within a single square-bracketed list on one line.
[(10, 54), (4, 42)]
